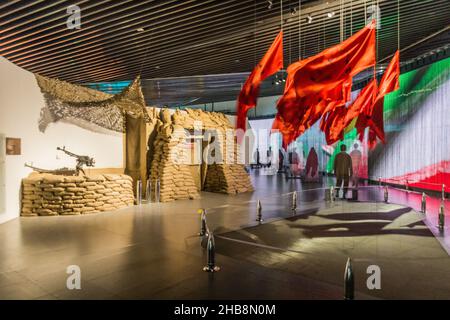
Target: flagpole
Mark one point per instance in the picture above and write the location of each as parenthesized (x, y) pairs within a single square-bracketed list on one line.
[(281, 25), (281, 15), (376, 40), (398, 25), (299, 29)]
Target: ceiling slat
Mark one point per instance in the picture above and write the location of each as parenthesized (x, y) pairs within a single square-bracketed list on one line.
[(191, 37)]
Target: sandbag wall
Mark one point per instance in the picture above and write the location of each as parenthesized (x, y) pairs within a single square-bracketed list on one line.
[(51, 195), (229, 177), (175, 178)]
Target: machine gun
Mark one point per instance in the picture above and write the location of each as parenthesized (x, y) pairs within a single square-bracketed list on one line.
[(81, 160)]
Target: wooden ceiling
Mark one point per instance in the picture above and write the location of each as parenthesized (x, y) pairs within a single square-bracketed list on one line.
[(195, 37)]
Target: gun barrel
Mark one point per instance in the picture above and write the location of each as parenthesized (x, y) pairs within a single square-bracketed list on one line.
[(68, 152)]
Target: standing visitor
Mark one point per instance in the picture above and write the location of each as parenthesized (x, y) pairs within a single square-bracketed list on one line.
[(280, 161), (294, 163), (356, 156), (342, 169), (312, 166), (269, 157)]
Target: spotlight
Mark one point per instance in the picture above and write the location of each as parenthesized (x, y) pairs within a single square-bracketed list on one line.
[(330, 14), (270, 4), (310, 18), (157, 67), (294, 11), (140, 29), (277, 81)]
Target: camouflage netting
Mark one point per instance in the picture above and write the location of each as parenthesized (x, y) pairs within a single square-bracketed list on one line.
[(87, 107), (167, 134)]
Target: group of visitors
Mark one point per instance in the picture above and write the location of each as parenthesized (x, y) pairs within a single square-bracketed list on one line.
[(346, 167)]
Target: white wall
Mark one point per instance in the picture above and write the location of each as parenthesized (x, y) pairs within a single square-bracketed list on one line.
[(20, 105)]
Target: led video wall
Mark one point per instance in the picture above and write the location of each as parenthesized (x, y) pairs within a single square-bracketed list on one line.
[(417, 123), (417, 126)]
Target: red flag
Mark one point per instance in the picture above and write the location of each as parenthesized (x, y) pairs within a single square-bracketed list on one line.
[(376, 122), (340, 118), (269, 64), (390, 80), (373, 117), (324, 81)]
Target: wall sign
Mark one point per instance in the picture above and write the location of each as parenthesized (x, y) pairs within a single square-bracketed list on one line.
[(13, 146)]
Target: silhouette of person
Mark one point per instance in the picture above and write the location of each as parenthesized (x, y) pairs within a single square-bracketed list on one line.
[(280, 160), (294, 162), (269, 157), (312, 165), (356, 156), (258, 163), (343, 170)]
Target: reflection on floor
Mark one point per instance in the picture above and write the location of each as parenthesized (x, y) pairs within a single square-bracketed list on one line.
[(152, 251)]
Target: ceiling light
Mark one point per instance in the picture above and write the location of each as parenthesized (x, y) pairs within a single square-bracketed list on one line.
[(294, 11), (140, 29), (157, 67), (310, 18), (330, 14)]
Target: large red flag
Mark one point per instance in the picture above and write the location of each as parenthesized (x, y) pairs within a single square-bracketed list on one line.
[(320, 83), (340, 118), (373, 117), (269, 64)]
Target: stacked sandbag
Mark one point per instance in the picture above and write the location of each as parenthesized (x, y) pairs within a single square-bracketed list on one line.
[(228, 175), (209, 120), (227, 178), (51, 195), (170, 163)]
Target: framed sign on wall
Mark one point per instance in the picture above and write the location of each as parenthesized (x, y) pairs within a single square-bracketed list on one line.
[(13, 146)]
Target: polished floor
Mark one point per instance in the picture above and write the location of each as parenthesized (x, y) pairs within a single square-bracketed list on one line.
[(152, 251)]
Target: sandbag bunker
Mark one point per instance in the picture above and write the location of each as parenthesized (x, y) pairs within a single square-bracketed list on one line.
[(51, 195), (162, 154), (176, 155)]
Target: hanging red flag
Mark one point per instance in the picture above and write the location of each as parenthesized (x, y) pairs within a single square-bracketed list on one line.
[(324, 81), (341, 118), (269, 64), (390, 80), (373, 117)]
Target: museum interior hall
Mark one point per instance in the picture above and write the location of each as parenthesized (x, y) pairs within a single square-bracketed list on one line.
[(225, 149)]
